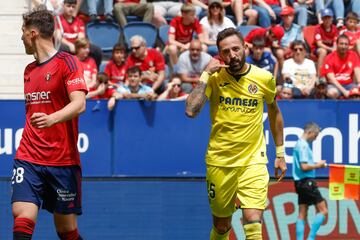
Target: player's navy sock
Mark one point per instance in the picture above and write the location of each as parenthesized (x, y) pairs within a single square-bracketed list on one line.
[(300, 229), (72, 235), (319, 219), (23, 229)]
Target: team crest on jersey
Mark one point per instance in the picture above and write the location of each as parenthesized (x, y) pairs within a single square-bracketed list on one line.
[(48, 77), (252, 88)]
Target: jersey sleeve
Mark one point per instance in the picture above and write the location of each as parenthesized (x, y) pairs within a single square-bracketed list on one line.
[(74, 75), (327, 66), (172, 28), (270, 89), (198, 27)]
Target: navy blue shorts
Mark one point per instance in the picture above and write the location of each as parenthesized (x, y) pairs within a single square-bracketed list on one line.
[(56, 189)]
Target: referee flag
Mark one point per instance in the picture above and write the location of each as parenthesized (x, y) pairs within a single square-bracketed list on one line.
[(344, 182)]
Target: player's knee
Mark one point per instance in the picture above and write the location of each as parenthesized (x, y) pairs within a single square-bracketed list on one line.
[(222, 228), (253, 231)]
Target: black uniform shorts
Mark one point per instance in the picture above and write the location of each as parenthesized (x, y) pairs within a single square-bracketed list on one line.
[(308, 191)]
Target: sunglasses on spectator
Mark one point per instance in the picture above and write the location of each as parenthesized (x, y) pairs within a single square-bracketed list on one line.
[(298, 49), (135, 48), (288, 85), (177, 85), (215, 6), (195, 49)]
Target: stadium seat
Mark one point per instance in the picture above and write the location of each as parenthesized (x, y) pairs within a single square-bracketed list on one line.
[(309, 37), (103, 34), (163, 34), (102, 66), (246, 29), (146, 30)]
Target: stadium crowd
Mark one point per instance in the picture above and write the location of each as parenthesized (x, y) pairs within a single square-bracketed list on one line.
[(311, 46)]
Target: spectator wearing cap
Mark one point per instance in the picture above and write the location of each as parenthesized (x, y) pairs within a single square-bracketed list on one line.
[(150, 61), (342, 69), (116, 67), (272, 36), (181, 31), (214, 23), (354, 94), (292, 31), (325, 36), (122, 8), (335, 5), (261, 58), (191, 64), (352, 31), (268, 11), (300, 71), (70, 28)]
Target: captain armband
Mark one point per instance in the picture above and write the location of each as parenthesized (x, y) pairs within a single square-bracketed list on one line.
[(280, 151)]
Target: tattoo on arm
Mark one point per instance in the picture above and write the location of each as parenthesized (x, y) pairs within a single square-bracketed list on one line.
[(196, 100)]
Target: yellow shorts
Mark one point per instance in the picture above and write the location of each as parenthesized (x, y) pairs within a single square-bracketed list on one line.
[(249, 184)]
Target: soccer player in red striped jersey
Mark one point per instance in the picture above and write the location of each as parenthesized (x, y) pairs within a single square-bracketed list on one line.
[(47, 169)]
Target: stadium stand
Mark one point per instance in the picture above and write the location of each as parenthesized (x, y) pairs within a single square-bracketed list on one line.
[(12, 55), (104, 34), (147, 30), (246, 29), (163, 33)]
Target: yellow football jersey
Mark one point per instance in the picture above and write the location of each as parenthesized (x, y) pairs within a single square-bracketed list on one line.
[(236, 109)]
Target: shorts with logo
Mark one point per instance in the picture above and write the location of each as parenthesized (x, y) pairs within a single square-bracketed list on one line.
[(308, 191), (249, 184), (56, 189)]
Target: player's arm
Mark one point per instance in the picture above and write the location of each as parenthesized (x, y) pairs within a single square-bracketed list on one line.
[(277, 127), (307, 167), (76, 106), (197, 98)]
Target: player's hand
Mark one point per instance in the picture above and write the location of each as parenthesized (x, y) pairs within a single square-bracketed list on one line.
[(280, 164), (214, 66), (322, 164), (41, 120)]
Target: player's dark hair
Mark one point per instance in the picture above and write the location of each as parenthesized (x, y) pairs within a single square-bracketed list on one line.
[(134, 69), (102, 77), (342, 36), (41, 19), (258, 41), (227, 32)]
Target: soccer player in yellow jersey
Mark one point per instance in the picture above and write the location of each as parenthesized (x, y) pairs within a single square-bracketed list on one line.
[(236, 155)]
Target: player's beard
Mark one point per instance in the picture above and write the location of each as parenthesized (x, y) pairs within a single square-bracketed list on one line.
[(236, 65)]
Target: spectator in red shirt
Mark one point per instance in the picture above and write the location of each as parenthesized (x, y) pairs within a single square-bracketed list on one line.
[(150, 61), (341, 68), (88, 63), (181, 32), (116, 67), (173, 91), (352, 31), (103, 90), (70, 28), (325, 36), (122, 8)]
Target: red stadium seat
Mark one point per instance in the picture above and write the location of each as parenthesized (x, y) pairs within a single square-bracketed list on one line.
[(309, 34)]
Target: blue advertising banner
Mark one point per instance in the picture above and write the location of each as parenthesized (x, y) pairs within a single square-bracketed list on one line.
[(156, 139)]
